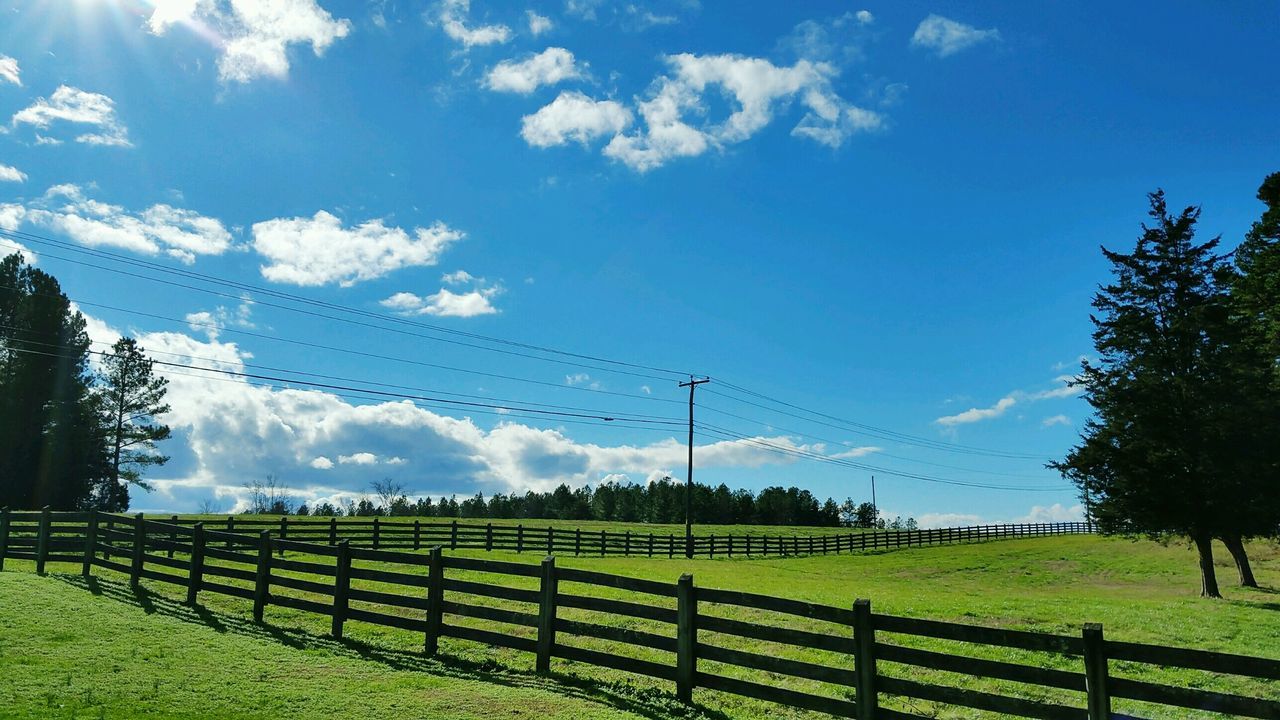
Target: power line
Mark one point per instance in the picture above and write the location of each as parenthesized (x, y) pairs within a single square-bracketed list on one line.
[(878, 453), (808, 455), (381, 393), (871, 430), (345, 379), (348, 351), (247, 287)]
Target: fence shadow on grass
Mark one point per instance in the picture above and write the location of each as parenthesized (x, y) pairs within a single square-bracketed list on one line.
[(650, 703)]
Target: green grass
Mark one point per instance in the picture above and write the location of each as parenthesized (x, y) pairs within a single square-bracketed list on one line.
[(76, 649), (1140, 591)]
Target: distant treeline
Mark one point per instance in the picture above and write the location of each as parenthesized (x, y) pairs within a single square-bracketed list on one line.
[(659, 502)]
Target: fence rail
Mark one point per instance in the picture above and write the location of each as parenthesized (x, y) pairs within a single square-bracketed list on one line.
[(862, 651), (387, 534)]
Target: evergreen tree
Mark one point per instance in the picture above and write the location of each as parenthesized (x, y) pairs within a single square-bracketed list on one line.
[(1171, 394), (50, 445), (132, 397)]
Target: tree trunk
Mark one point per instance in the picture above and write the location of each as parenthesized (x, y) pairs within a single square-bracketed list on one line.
[(1208, 577), (1235, 546)]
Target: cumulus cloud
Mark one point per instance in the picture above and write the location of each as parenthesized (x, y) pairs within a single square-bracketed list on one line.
[(538, 24), (1055, 420), (754, 86), (213, 322), (445, 303), (79, 107), (319, 250), (9, 173), (9, 71), (227, 430), (574, 117), (548, 67), (253, 37), (946, 37), (453, 18), (160, 229)]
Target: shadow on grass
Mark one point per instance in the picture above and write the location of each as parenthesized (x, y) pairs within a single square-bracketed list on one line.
[(646, 702)]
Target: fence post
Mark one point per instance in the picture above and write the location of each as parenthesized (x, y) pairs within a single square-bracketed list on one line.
[(488, 538), (341, 588), (417, 534), (284, 533), (550, 539), (435, 599), (262, 581), (603, 542), (90, 544), (547, 615), (333, 531), (686, 638), (139, 546), (520, 538), (111, 528), (864, 664), (173, 534), (711, 546), (626, 546), (1095, 672), (195, 574), (376, 529), (4, 534), (453, 535), (42, 541), (231, 527)]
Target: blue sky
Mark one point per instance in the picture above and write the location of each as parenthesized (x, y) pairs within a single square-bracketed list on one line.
[(887, 213)]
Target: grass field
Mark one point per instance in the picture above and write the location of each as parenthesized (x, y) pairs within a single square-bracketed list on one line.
[(1141, 592)]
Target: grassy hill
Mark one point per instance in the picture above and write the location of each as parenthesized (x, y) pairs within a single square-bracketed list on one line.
[(1140, 591)]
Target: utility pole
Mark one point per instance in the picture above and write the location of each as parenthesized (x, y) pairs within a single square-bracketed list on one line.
[(875, 509), (688, 479)]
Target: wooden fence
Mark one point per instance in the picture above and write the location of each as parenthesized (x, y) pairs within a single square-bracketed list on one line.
[(692, 621), (391, 534)]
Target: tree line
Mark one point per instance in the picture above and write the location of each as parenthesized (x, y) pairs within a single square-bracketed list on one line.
[(74, 434), (659, 502), (1185, 437)]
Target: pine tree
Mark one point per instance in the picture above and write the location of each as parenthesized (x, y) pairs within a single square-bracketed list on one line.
[(1174, 394), (50, 453), (132, 397)]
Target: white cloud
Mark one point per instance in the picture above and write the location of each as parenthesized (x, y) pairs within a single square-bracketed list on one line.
[(646, 389), (585, 9), (865, 17), (756, 86), (458, 277), (176, 232), (9, 173), (213, 322), (1056, 512), (253, 35), (227, 430), (574, 117), (538, 24), (11, 215), (973, 415), (453, 18), (857, 452), (948, 519), (946, 37), (1055, 420), (582, 380), (548, 67), (446, 303), (360, 458), (9, 71), (318, 250), (73, 105), (641, 19)]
